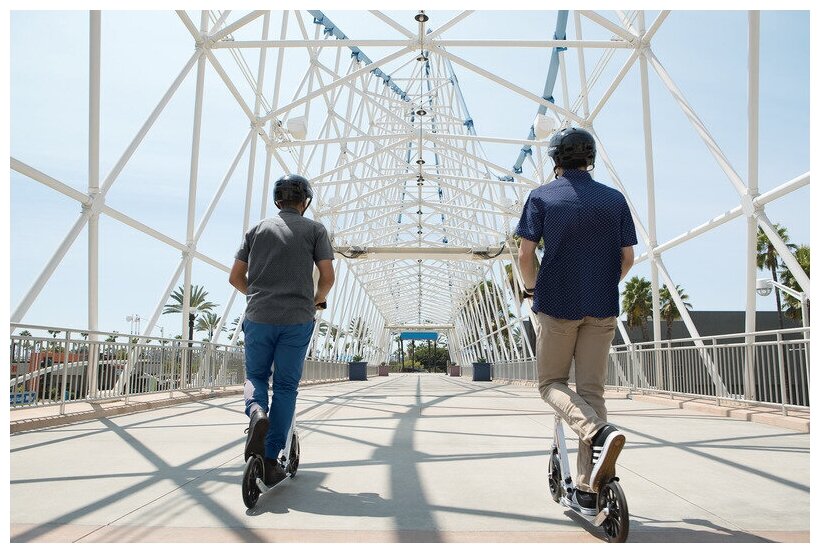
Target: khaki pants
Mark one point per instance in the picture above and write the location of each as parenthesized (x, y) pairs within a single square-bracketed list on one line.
[(587, 340)]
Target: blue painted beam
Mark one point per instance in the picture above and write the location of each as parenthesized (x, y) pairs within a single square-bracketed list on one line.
[(552, 75), (419, 335), (331, 29)]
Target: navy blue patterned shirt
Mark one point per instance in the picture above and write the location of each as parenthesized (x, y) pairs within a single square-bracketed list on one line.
[(584, 225)]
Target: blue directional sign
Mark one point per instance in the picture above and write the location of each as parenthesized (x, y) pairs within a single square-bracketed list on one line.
[(419, 335)]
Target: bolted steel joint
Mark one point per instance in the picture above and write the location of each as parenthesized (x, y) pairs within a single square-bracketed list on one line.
[(204, 41)]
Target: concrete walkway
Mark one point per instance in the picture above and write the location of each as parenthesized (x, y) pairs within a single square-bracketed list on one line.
[(405, 458)]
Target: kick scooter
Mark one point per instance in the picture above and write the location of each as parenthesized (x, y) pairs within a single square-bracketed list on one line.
[(253, 478), (613, 513)]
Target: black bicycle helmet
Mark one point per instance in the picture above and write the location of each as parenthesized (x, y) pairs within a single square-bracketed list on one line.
[(572, 147), (292, 188)]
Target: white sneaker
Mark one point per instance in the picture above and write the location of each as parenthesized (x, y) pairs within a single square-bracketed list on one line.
[(606, 446)]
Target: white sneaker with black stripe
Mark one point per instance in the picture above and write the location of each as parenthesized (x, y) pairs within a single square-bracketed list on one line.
[(606, 446), (587, 502)]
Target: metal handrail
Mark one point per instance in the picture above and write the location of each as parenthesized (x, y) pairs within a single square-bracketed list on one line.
[(57, 371), (680, 367)]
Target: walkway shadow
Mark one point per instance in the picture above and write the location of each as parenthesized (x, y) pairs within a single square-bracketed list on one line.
[(647, 530), (713, 533), (304, 493)]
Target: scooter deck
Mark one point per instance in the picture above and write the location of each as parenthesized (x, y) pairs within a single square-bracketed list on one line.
[(595, 520), (264, 488)]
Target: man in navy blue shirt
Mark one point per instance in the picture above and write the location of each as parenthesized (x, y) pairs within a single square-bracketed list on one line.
[(588, 237)]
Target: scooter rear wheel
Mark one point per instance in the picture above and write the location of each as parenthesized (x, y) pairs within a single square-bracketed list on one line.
[(293, 463), (250, 491), (554, 468), (616, 524)]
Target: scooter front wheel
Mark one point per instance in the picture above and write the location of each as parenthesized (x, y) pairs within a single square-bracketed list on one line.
[(616, 525), (250, 491)]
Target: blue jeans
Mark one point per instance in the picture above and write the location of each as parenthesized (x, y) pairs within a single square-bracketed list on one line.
[(283, 346)]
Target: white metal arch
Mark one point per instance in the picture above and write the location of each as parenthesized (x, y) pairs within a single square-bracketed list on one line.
[(418, 212)]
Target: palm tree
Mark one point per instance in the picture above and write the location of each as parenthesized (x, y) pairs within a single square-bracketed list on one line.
[(637, 302), (234, 326), (208, 322), (24, 346), (669, 311), (198, 304), (359, 330), (793, 310), (768, 258)]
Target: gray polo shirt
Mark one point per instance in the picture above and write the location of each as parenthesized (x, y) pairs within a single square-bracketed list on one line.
[(280, 253)]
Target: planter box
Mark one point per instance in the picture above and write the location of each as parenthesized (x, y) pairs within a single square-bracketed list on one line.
[(454, 370), (384, 371), (482, 372), (357, 370)]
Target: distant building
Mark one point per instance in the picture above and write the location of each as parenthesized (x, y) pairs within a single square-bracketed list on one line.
[(711, 323), (708, 323)]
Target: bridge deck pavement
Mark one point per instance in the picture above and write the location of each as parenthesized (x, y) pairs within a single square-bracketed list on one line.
[(404, 458)]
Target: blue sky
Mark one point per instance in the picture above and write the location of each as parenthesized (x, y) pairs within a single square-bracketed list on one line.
[(142, 52)]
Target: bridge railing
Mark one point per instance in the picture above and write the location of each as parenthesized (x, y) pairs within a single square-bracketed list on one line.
[(60, 368), (761, 368)]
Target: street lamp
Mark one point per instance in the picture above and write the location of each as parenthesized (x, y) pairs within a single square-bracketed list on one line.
[(766, 285), (135, 323)]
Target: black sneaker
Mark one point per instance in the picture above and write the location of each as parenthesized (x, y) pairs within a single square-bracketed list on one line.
[(586, 501), (606, 446), (274, 472), (257, 429)]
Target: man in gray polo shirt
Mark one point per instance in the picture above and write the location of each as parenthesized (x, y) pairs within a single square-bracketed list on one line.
[(274, 269)]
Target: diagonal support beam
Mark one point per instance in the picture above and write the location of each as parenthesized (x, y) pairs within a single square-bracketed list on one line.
[(507, 84), (349, 77), (241, 22)]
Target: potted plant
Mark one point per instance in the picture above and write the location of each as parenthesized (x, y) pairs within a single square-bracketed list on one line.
[(482, 370), (357, 369), (453, 369)]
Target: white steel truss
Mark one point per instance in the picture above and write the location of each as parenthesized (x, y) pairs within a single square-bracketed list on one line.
[(399, 169)]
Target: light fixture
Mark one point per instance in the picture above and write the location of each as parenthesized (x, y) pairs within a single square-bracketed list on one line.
[(421, 57), (297, 127), (421, 112), (421, 17), (420, 161), (544, 126), (764, 287)]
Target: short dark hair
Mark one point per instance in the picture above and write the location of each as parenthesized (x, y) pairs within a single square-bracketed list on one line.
[(575, 164), (294, 204)]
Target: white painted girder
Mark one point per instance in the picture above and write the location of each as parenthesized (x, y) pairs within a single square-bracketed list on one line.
[(360, 195)]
